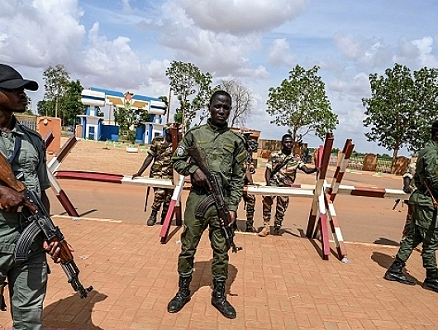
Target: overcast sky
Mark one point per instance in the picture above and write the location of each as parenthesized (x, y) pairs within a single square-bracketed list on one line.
[(128, 44)]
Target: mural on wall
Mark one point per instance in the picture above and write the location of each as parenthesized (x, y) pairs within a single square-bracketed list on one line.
[(99, 100)]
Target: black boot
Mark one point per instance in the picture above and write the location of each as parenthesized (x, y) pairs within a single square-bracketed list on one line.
[(219, 300), (182, 297), (431, 281), (395, 273), (153, 218)]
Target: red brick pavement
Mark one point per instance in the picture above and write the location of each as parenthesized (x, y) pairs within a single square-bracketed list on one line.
[(277, 282)]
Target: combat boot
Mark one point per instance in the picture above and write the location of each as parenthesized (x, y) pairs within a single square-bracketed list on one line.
[(182, 297), (265, 231), (219, 300), (249, 226), (431, 281), (395, 273), (153, 218), (277, 230)]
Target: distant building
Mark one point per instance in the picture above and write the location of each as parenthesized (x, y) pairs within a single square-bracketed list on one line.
[(104, 128)]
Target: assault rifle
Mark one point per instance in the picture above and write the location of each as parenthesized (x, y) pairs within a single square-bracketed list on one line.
[(40, 222), (216, 196)]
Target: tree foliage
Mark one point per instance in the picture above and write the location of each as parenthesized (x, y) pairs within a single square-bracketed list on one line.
[(192, 88), (71, 105), (129, 119), (242, 102), (301, 104), (62, 96), (401, 108)]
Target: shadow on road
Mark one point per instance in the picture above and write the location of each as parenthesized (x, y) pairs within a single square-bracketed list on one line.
[(202, 277), (385, 241), (72, 312)]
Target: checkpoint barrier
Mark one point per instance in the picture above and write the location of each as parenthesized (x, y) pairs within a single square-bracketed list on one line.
[(51, 168), (322, 212)]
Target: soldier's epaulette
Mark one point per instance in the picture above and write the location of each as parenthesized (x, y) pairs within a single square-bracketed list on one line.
[(240, 136), (194, 128)]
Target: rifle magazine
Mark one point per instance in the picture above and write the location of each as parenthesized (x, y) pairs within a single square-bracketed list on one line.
[(24, 242)]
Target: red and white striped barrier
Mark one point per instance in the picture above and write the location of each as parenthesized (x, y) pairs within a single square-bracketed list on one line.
[(115, 178), (176, 196), (340, 169), (53, 165)]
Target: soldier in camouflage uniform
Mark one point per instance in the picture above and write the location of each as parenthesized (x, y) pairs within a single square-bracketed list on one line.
[(160, 153), (249, 199), (408, 188), (424, 227), (281, 171), (225, 153)]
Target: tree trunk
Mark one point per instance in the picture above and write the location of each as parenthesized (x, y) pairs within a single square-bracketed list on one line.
[(394, 158)]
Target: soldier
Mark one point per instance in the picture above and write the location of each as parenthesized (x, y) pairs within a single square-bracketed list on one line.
[(249, 199), (281, 170), (25, 151), (225, 154), (408, 188), (160, 153), (423, 228)]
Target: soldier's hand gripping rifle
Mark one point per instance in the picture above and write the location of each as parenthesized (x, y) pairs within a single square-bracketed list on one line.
[(40, 222), (216, 195)]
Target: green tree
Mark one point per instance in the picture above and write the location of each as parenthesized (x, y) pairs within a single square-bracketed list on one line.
[(401, 108), (242, 99), (56, 80), (46, 108), (129, 119), (70, 104), (192, 88), (301, 104)]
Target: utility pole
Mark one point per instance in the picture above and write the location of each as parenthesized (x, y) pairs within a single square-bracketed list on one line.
[(168, 105)]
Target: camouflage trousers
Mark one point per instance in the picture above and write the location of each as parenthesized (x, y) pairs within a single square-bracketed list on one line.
[(408, 221), (191, 235), (249, 207), (162, 196), (416, 235), (280, 210)]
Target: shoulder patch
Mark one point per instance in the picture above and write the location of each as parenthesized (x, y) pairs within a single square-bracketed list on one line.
[(180, 151)]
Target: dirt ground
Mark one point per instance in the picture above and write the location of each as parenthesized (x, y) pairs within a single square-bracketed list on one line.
[(362, 219)]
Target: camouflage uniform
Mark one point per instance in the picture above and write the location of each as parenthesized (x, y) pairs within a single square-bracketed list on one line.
[(249, 199), (225, 154), (410, 172), (424, 227), (162, 168), (283, 178)]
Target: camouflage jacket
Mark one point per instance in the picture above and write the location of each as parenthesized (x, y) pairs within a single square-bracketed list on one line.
[(288, 172), (161, 150)]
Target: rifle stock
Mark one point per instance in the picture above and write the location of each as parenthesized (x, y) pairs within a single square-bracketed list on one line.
[(40, 222), (216, 192)]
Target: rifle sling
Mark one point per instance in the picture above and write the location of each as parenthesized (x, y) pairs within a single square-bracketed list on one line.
[(22, 248), (279, 167)]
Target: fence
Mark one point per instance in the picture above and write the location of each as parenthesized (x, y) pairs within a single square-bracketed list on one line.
[(27, 120), (357, 162)]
